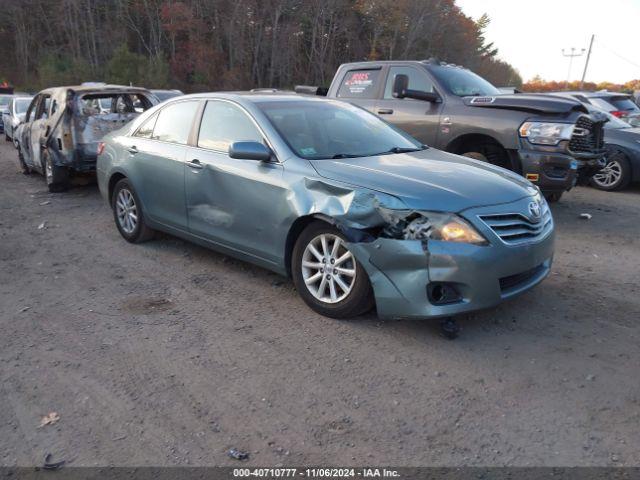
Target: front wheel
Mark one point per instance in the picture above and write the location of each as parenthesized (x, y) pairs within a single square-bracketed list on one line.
[(7, 137), (23, 164), (615, 175), (327, 275), (128, 214)]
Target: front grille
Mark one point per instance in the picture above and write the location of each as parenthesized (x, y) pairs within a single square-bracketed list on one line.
[(512, 281), (587, 136), (516, 229)]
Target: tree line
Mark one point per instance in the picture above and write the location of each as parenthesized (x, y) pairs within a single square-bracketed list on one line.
[(198, 45)]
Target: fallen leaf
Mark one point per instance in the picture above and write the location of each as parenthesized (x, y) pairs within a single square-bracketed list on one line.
[(50, 419)]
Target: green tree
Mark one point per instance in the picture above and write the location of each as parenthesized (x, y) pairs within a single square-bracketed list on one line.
[(125, 67)]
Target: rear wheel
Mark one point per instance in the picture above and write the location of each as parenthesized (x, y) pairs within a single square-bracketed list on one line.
[(327, 275), (128, 214), (615, 175), (57, 176)]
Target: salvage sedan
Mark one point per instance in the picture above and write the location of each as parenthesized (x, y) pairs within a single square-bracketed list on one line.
[(355, 211)]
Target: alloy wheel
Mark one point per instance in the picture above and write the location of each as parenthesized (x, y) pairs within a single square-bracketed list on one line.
[(126, 211), (328, 268), (609, 175)]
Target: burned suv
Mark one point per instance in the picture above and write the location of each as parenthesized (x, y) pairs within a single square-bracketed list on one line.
[(552, 142), (63, 126)]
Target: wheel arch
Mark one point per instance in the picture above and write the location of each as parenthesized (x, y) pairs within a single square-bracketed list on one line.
[(113, 179)]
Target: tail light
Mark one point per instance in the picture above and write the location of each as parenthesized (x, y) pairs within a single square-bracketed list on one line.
[(619, 113), (100, 148)]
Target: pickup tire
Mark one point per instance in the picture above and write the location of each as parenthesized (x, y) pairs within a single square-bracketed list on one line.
[(489, 152), (553, 197), (57, 176)]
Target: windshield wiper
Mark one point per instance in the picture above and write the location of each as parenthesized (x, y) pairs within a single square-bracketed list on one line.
[(404, 149), (347, 155)]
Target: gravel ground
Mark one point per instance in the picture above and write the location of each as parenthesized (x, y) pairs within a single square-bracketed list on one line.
[(169, 354)]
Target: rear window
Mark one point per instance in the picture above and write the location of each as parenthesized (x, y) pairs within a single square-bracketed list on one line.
[(615, 103), (174, 122), (105, 103), (359, 84)]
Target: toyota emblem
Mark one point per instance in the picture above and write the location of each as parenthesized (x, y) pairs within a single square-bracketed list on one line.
[(534, 208)]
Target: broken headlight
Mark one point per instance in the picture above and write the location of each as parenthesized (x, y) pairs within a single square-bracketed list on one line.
[(446, 227)]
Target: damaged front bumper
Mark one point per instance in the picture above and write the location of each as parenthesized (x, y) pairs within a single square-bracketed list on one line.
[(404, 273)]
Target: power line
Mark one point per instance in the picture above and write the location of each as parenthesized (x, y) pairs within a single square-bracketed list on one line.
[(618, 55)]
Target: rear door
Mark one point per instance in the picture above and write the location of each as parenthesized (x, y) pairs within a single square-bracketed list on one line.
[(418, 118), (156, 157)]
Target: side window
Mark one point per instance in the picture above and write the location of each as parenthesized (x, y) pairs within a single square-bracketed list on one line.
[(43, 107), (146, 129), (224, 123), (417, 80), (174, 122), (359, 84), (31, 113)]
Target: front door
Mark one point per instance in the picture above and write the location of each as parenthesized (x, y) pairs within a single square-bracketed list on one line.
[(38, 131), (233, 202), (418, 118)]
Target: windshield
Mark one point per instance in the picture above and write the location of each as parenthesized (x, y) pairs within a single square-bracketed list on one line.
[(614, 122), (327, 129), (21, 105), (462, 82)]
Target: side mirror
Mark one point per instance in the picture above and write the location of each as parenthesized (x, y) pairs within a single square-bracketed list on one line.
[(250, 151), (401, 90)]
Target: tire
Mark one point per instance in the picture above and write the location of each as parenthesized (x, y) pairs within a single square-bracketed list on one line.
[(616, 175), (57, 177), (488, 152), (24, 168), (553, 197), (125, 203), (356, 300)]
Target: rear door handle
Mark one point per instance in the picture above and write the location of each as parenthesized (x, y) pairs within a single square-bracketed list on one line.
[(133, 150), (195, 163), (385, 111)]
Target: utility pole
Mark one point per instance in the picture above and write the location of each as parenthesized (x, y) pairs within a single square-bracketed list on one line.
[(571, 56), (586, 63)]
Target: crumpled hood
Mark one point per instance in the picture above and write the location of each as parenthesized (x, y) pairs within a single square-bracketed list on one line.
[(430, 179), (527, 103)]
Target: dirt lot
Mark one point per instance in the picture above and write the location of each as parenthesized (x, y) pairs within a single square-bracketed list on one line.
[(169, 354)]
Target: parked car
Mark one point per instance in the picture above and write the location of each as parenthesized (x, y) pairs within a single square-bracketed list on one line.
[(63, 127), (354, 210), (622, 144), (4, 107), (163, 95), (617, 104), (14, 115), (453, 109)]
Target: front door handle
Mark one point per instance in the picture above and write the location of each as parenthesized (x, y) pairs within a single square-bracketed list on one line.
[(195, 163), (132, 150), (385, 111)]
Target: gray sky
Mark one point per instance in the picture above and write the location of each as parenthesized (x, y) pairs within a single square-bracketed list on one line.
[(530, 35)]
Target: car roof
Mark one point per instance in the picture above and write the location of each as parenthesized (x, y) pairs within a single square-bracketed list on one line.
[(593, 94), (96, 89), (255, 97)]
